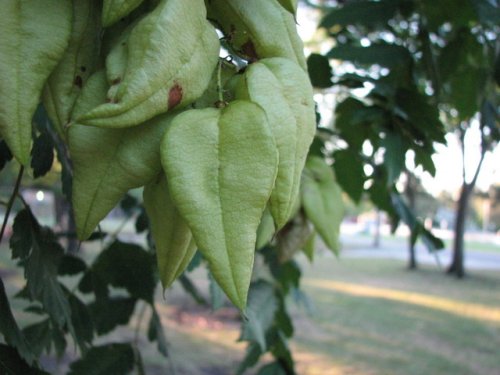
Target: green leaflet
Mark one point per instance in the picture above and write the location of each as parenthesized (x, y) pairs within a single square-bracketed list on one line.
[(290, 5), (76, 65), (259, 28), (113, 10), (322, 200), (174, 242), (109, 162), (34, 35), (171, 54), (221, 165), (261, 86)]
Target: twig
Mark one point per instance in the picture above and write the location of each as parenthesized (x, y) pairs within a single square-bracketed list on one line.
[(114, 236), (11, 201), (139, 321)]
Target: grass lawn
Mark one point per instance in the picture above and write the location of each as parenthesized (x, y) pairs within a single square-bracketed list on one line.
[(370, 317), (375, 317)]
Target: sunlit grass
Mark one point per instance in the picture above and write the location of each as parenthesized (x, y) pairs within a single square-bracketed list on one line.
[(467, 310)]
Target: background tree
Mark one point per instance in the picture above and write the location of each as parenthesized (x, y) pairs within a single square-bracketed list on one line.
[(383, 112), (415, 63)]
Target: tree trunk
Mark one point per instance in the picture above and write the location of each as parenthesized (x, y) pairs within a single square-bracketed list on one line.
[(412, 261), (410, 193), (376, 238), (457, 265)]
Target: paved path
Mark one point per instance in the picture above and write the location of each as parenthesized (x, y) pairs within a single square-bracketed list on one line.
[(356, 246)]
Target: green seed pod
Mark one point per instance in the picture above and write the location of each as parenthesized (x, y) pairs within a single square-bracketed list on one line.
[(77, 64), (171, 54), (35, 35), (322, 200), (114, 10), (290, 113), (221, 166), (266, 230), (258, 28), (174, 242), (109, 162), (289, 5)]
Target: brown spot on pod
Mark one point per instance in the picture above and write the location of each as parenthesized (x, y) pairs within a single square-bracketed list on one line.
[(116, 81), (232, 32), (78, 82), (174, 96), (248, 49)]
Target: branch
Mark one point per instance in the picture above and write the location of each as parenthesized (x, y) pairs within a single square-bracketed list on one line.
[(11, 201), (478, 168), (461, 137)]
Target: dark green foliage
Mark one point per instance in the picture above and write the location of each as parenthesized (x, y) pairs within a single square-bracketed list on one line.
[(71, 265), (39, 336), (11, 332), (369, 14), (252, 356), (116, 359), (394, 155), (384, 54), (416, 227), (261, 309), (268, 324), (142, 222), (191, 289), (320, 71), (274, 368), (109, 313), (349, 172), (155, 333), (217, 297), (5, 154), (122, 265), (42, 155), (39, 253), (82, 322), (12, 364)]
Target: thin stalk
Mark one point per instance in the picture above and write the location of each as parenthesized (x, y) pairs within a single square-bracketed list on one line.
[(140, 317), (11, 201)]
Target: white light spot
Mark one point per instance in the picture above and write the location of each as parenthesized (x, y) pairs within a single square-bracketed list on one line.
[(40, 195), (365, 42)]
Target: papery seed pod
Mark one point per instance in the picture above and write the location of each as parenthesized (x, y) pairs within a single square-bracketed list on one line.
[(221, 166), (109, 162), (170, 56), (173, 240), (35, 35)]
